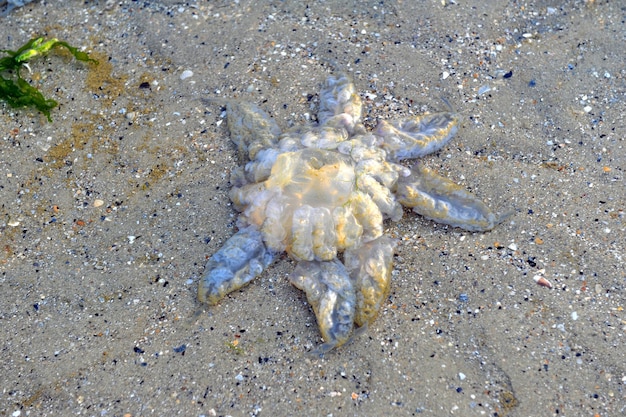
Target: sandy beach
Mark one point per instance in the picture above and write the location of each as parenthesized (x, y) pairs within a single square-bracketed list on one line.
[(109, 213)]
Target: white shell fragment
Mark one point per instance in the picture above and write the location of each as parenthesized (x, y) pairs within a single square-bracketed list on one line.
[(542, 281), (186, 74)]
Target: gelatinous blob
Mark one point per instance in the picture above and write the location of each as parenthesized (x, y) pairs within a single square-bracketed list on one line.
[(313, 176), (323, 137), (251, 128), (242, 258), (417, 136), (370, 268), (318, 190), (261, 168), (381, 196), (368, 215), (331, 294), (348, 228), (439, 199), (340, 105), (312, 234)]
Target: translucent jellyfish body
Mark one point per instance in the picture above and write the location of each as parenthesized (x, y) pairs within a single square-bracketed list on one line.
[(321, 190)]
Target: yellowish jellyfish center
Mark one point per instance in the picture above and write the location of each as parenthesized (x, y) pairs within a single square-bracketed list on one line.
[(315, 177)]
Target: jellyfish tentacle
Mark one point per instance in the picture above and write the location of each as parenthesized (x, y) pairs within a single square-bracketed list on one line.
[(242, 258), (330, 292), (417, 136), (443, 201)]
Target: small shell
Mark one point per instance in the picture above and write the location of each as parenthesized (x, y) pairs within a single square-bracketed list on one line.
[(542, 281)]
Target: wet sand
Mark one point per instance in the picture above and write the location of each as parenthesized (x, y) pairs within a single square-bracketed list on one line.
[(109, 213)]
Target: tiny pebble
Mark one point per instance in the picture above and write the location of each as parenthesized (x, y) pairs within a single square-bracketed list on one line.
[(186, 74), (512, 246), (461, 376), (445, 75), (574, 315), (587, 109), (239, 377), (463, 298), (98, 203)]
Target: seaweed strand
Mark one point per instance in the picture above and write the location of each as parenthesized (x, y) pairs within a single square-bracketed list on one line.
[(17, 92)]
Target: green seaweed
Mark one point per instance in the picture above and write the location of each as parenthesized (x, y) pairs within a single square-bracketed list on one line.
[(17, 92)]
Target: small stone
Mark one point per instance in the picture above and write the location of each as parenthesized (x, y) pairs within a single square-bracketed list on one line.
[(461, 376), (98, 203), (186, 74)]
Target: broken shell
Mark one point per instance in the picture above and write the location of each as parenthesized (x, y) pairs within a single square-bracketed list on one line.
[(542, 281)]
